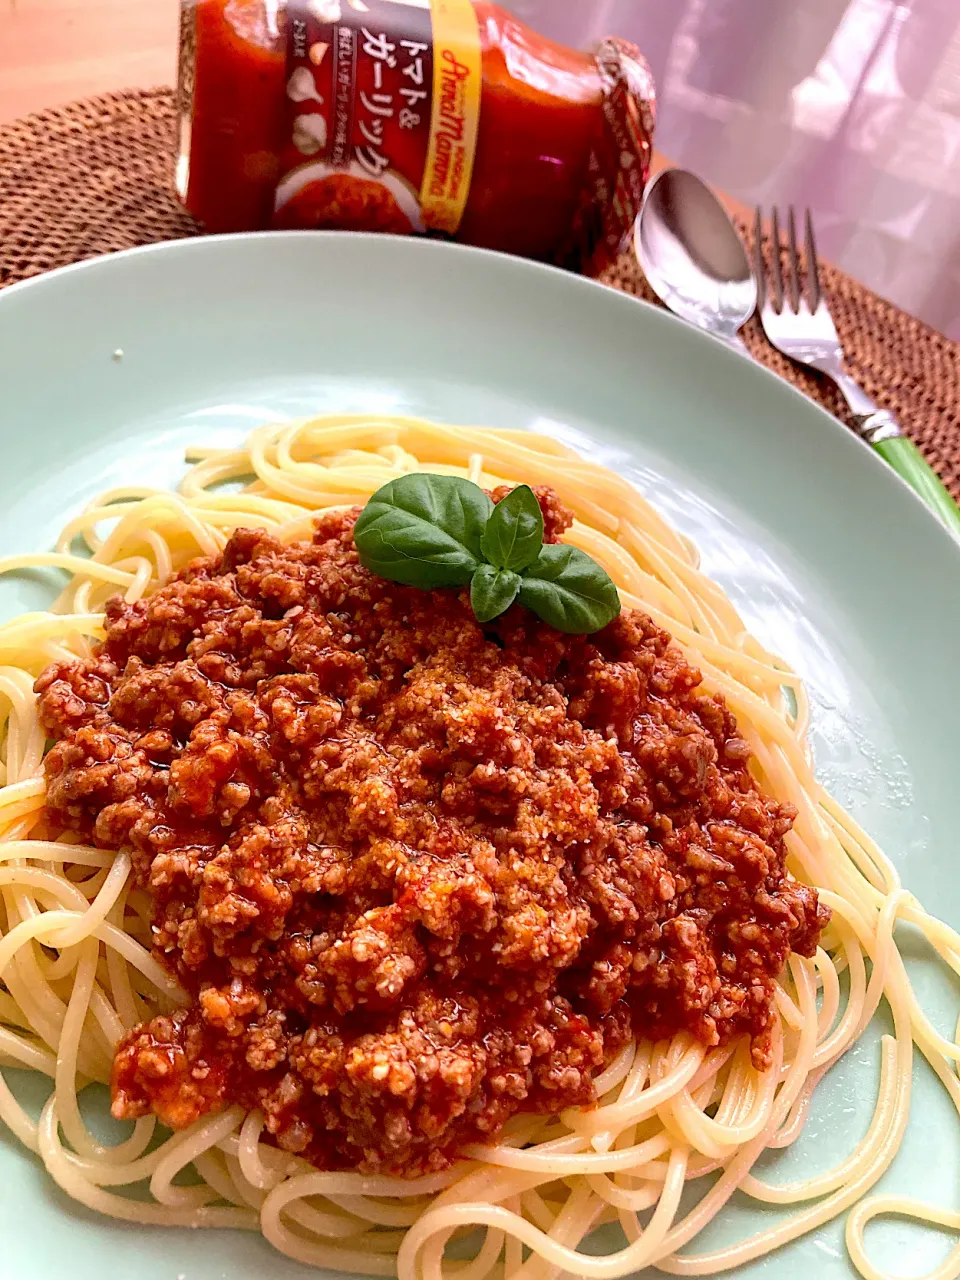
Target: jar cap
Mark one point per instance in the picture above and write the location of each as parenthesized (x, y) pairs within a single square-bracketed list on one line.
[(620, 161)]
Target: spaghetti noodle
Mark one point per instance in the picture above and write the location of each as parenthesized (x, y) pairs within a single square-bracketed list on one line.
[(77, 972)]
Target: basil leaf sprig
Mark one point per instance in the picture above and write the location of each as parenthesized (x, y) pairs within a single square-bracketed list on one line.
[(424, 531), (569, 590), (431, 531), (514, 533), (493, 591)]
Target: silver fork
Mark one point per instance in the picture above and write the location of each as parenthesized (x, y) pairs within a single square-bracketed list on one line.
[(798, 323)]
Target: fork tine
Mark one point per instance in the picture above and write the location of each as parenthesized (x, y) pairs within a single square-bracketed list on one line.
[(796, 292), (776, 272), (813, 267), (759, 269)]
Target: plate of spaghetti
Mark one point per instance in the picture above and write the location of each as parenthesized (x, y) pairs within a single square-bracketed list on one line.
[(478, 764)]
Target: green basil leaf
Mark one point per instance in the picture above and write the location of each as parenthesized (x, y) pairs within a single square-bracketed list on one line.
[(424, 531), (493, 591), (514, 533), (570, 591)]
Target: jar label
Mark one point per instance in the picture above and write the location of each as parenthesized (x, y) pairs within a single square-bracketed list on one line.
[(455, 119), (384, 109)]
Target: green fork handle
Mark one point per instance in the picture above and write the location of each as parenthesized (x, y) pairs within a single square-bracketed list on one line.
[(880, 429), (909, 463)]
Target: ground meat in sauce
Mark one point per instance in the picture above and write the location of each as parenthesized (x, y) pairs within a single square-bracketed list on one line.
[(416, 875)]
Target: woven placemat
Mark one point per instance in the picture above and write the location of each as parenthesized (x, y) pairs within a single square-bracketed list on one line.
[(96, 176)]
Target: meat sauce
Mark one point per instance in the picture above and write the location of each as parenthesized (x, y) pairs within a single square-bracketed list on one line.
[(415, 874)]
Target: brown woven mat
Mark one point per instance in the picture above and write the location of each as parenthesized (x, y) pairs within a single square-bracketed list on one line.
[(95, 176)]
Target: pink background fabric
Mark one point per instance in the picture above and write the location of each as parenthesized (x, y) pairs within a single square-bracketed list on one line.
[(850, 106)]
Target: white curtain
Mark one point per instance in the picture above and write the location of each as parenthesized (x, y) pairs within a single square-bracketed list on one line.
[(850, 106)]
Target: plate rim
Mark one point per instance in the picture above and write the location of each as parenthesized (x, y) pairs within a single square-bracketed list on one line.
[(831, 426)]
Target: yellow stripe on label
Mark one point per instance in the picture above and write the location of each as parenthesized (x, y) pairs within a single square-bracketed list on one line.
[(455, 119)]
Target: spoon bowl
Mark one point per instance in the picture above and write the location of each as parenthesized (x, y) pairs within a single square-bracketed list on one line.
[(693, 256)]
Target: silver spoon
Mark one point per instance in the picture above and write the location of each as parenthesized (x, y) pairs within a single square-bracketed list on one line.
[(693, 257)]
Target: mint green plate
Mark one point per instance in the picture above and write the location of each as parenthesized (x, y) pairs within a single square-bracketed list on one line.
[(832, 560)]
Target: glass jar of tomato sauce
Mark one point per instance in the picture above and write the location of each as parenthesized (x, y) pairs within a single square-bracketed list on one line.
[(448, 117)]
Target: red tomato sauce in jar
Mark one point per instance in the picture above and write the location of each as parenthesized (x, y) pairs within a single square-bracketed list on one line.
[(231, 148), (538, 158)]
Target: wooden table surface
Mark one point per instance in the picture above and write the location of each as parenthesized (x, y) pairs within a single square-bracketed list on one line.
[(52, 51)]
